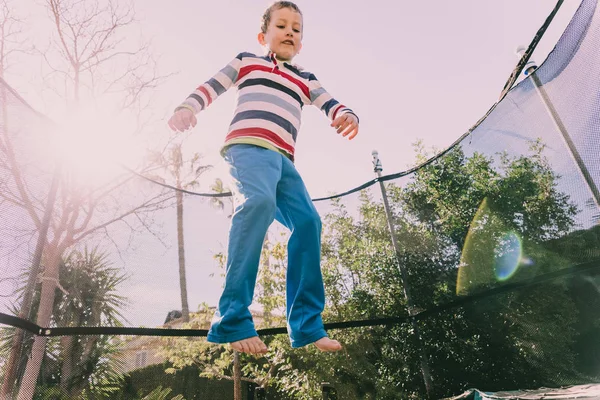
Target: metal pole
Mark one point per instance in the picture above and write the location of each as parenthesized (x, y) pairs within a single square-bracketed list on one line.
[(378, 168), (237, 376), (530, 69)]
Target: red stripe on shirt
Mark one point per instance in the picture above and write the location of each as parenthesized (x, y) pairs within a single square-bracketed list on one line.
[(299, 83), (205, 92), (336, 111), (263, 134), (246, 70)]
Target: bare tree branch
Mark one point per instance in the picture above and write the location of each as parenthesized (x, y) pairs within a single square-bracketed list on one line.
[(57, 12), (18, 178), (9, 197), (153, 202), (90, 53), (11, 36)]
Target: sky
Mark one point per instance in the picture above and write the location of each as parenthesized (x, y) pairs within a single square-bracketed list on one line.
[(411, 70)]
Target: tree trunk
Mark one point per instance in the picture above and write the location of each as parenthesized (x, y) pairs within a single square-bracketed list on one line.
[(66, 370), (47, 296), (10, 373), (185, 309), (79, 361)]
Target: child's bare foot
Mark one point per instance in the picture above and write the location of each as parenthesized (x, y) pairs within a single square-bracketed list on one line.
[(251, 345), (326, 344)]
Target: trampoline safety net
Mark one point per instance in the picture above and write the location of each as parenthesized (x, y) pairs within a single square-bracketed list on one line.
[(491, 282)]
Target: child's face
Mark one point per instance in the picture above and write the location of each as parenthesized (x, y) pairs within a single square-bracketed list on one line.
[(284, 34)]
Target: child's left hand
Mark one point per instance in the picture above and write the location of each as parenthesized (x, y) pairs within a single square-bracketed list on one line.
[(347, 125)]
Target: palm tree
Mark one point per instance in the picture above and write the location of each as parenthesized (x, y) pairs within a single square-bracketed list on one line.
[(185, 174), (81, 367), (88, 297)]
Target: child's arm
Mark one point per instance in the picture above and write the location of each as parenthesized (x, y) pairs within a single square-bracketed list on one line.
[(184, 116), (342, 118)]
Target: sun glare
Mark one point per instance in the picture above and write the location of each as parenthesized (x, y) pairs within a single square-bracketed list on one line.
[(93, 144)]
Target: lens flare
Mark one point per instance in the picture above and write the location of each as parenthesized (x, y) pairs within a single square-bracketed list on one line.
[(492, 251), (507, 256)]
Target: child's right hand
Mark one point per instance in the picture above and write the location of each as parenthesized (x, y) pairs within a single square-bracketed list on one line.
[(182, 120)]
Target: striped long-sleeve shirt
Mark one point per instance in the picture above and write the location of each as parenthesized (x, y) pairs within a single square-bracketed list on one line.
[(270, 98)]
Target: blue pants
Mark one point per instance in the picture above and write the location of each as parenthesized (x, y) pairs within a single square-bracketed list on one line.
[(267, 186)]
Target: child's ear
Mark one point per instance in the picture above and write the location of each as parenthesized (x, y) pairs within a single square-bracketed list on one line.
[(261, 38)]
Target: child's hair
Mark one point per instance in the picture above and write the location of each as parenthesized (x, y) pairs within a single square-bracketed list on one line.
[(278, 5)]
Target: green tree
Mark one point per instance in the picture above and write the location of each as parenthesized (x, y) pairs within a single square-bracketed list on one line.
[(583, 246), (510, 340)]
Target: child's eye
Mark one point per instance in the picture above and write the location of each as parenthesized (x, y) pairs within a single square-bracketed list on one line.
[(280, 26), (297, 30)]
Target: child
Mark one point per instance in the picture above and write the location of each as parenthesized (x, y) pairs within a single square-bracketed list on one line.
[(259, 151)]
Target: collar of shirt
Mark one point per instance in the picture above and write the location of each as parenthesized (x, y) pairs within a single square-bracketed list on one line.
[(277, 61)]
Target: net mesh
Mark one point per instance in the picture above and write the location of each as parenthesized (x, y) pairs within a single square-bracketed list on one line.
[(492, 281)]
